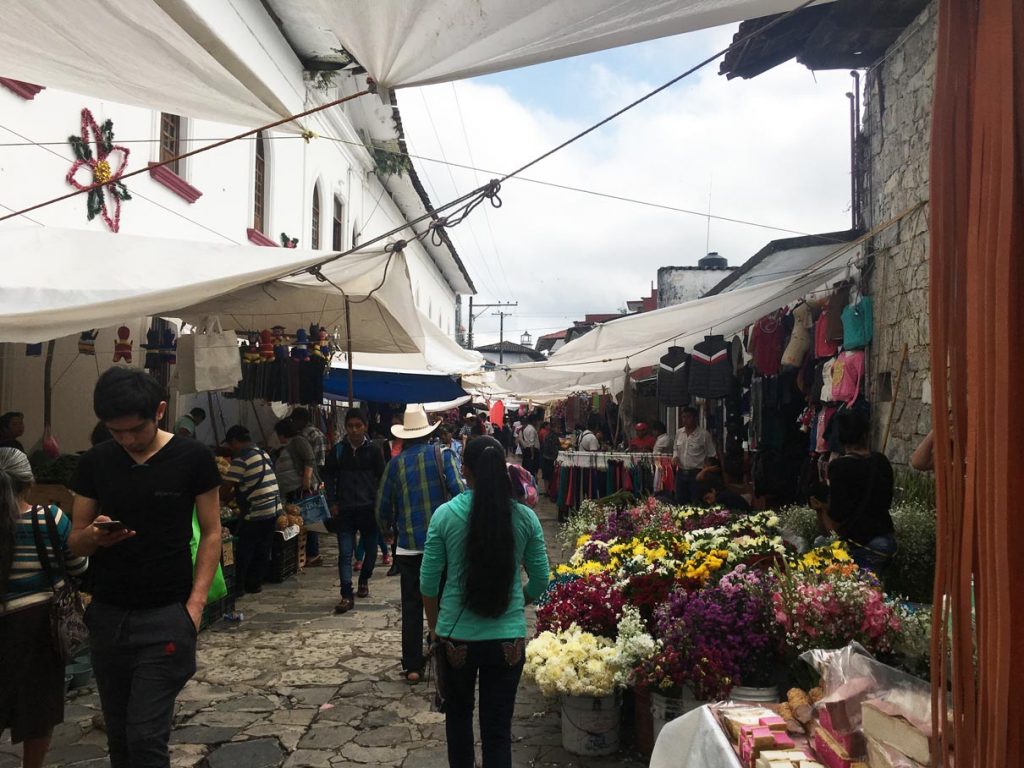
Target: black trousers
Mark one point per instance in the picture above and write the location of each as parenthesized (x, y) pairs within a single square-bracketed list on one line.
[(686, 486), (252, 560), (498, 665), (142, 659), (412, 612)]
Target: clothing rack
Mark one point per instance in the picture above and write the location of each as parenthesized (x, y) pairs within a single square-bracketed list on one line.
[(586, 475), (599, 459)]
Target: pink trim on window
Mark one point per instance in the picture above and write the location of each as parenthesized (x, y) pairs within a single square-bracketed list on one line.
[(27, 91), (257, 237), (164, 175)]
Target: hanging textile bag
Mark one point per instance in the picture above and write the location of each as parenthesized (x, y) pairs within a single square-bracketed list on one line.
[(858, 324), (67, 611), (208, 360), (316, 514), (524, 485)]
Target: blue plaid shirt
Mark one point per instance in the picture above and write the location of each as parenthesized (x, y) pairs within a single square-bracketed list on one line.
[(411, 490)]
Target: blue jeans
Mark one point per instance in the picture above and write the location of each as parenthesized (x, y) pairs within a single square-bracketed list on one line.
[(367, 530), (875, 555), (361, 547), (498, 664)]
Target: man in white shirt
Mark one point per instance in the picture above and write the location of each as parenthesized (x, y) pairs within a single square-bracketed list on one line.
[(588, 439), (529, 441), (662, 439), (693, 445)]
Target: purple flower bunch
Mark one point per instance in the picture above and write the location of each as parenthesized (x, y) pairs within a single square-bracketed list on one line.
[(726, 632)]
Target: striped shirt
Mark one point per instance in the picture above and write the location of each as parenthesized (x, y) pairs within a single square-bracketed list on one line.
[(318, 442), (411, 490), (262, 495), (28, 584)]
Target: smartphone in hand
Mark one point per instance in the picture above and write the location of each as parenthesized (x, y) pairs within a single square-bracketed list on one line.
[(110, 525)]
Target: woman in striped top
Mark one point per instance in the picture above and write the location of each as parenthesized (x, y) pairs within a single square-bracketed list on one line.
[(30, 667)]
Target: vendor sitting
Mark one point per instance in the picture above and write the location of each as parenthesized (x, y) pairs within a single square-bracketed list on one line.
[(713, 493), (644, 440)]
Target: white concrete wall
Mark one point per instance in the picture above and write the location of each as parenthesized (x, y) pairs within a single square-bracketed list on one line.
[(677, 285), (35, 157)]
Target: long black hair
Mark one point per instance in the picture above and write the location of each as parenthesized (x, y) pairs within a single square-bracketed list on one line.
[(15, 478), (490, 545)]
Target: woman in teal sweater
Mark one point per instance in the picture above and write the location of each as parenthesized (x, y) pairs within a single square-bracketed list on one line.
[(480, 540)]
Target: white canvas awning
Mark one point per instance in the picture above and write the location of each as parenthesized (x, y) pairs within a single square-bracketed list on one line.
[(599, 357), (223, 61), (415, 42), (58, 282), (439, 354)]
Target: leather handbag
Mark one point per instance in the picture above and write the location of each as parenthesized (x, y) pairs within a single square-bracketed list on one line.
[(67, 611)]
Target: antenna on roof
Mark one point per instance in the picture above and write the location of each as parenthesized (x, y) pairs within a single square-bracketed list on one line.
[(707, 243)]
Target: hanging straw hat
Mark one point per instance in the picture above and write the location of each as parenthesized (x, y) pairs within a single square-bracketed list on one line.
[(414, 424)]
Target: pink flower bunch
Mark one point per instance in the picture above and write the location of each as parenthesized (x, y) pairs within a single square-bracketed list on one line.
[(593, 603), (830, 609)]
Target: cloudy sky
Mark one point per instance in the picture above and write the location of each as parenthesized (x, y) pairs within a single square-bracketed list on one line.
[(773, 150)]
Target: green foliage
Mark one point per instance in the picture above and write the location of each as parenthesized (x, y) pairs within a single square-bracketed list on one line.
[(799, 525), (912, 571), (389, 162), (915, 488)]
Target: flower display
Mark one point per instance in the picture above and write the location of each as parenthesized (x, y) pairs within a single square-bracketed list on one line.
[(572, 662), (593, 603), (634, 644), (828, 608)]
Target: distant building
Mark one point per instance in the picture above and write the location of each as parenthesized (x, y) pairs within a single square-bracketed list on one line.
[(678, 285), (646, 304), (551, 342), (508, 353)]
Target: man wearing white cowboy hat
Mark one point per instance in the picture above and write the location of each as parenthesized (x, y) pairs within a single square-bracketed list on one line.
[(416, 482)]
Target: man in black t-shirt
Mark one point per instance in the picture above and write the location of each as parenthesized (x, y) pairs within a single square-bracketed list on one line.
[(147, 603)]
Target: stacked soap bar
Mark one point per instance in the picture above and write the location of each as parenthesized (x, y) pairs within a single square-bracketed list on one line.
[(832, 753), (768, 736), (786, 759)]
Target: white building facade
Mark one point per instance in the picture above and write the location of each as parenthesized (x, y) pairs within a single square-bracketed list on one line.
[(328, 188)]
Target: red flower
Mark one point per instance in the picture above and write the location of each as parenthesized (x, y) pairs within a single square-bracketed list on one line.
[(105, 168)]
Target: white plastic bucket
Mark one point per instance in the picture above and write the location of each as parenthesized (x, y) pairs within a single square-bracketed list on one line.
[(667, 708), (766, 695), (590, 725)]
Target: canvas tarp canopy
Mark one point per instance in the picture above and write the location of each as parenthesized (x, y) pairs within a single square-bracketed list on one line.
[(77, 280), (440, 355), (415, 42), (599, 358), (214, 61)]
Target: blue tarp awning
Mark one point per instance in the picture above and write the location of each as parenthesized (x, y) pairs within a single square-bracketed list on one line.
[(390, 387)]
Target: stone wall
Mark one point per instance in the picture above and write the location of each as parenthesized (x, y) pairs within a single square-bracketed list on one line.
[(894, 152)]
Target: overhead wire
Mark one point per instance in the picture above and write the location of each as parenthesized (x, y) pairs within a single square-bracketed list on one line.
[(455, 189), (487, 213)]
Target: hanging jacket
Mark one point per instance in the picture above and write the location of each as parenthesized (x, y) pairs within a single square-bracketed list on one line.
[(711, 371), (674, 377)]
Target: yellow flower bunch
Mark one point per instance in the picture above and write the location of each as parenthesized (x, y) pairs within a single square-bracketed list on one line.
[(821, 558), (701, 565), (586, 568)]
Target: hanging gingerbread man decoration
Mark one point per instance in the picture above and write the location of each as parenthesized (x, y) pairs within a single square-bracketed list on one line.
[(123, 345)]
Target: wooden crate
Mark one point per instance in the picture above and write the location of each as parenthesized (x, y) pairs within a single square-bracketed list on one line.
[(302, 549)]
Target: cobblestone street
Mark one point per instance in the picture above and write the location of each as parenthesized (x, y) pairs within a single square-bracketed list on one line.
[(293, 685)]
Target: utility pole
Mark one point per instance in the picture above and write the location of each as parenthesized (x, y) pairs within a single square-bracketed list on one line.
[(469, 335), (501, 336)]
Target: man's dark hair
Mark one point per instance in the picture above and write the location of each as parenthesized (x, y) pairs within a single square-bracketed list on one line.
[(127, 392), (711, 482), (100, 434), (286, 428), (533, 418), (7, 418), (593, 422), (690, 410), (198, 413), (237, 433), (852, 428), (300, 416), (658, 426), (353, 414)]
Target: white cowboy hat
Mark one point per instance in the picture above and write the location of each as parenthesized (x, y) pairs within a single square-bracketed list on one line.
[(414, 424)]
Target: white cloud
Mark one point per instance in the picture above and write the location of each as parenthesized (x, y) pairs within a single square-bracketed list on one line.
[(775, 149)]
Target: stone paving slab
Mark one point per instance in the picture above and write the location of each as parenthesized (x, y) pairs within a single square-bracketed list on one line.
[(294, 685)]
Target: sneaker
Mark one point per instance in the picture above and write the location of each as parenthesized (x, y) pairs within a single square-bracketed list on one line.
[(313, 562), (357, 566), (363, 591), (344, 606)]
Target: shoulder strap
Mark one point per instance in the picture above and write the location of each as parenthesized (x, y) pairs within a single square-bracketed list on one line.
[(44, 557), (440, 471)]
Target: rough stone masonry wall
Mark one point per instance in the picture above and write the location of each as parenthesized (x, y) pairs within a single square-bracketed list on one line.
[(894, 161)]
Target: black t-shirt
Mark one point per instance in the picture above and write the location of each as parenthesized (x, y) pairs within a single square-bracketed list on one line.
[(860, 494), (155, 499), (730, 500)]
